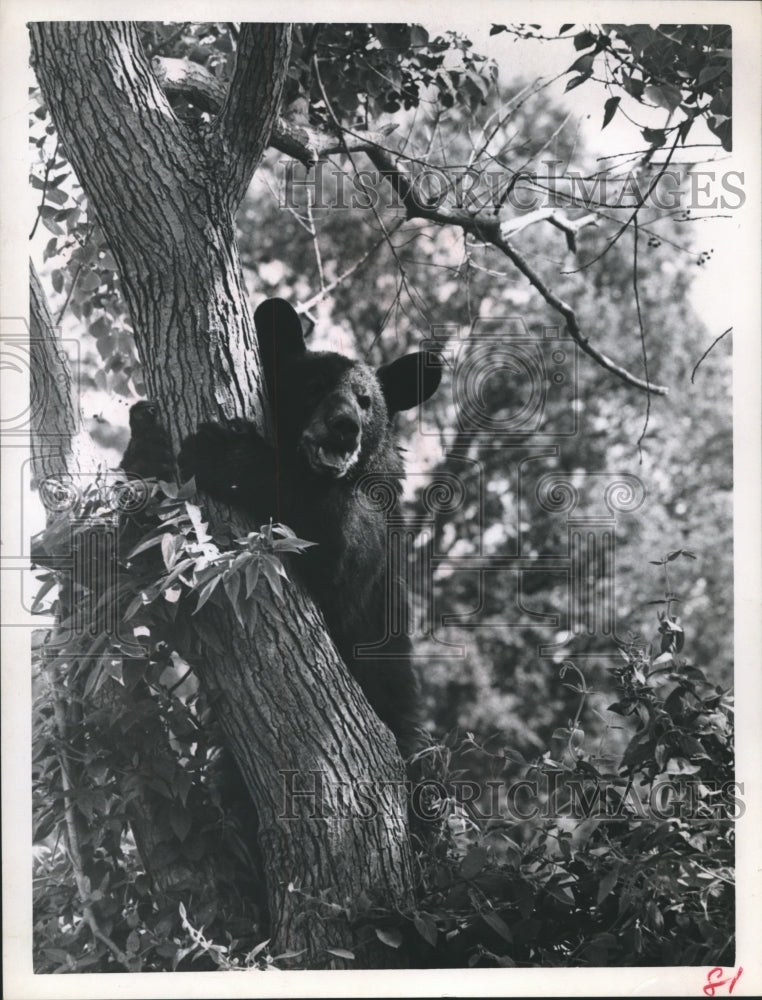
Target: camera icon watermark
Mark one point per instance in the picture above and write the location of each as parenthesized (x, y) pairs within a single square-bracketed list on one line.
[(508, 383), (36, 375)]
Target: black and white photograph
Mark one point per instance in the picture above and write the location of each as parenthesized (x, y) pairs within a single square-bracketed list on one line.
[(380, 441)]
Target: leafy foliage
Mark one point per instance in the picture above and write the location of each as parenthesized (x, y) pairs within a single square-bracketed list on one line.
[(371, 69), (132, 804), (624, 857), (683, 68)]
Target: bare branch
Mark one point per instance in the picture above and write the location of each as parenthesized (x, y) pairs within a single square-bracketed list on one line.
[(315, 242), (308, 144), (488, 229), (709, 349), (642, 329), (568, 226), (572, 324), (641, 202), (253, 100), (305, 307)]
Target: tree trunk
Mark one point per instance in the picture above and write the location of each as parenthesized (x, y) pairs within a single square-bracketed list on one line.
[(52, 423), (165, 197)]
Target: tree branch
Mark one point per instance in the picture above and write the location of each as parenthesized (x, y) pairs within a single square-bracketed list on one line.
[(191, 80), (488, 228), (552, 215), (709, 349), (308, 145), (245, 120), (302, 142)]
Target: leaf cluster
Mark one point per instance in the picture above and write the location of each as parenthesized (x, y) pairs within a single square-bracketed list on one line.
[(626, 879), (684, 68)]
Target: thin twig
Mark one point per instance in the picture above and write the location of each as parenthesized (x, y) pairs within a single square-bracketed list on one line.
[(316, 245), (327, 289), (610, 243), (572, 324), (341, 132), (48, 167), (71, 291), (642, 333), (710, 348)]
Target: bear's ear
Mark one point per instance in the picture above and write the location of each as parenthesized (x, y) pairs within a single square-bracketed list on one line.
[(279, 332), (410, 380)]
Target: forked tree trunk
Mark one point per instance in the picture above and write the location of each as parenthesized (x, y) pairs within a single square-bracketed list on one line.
[(165, 197)]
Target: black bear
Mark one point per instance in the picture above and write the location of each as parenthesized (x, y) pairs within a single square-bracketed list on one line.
[(332, 429)]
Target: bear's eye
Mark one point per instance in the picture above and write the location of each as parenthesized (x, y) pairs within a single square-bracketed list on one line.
[(363, 400)]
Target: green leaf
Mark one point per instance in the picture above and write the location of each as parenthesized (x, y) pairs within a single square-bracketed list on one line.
[(497, 29), (252, 576), (583, 65), (177, 571), (96, 677), (206, 592), (56, 196), (564, 28), (289, 954), (426, 927), (711, 72), (168, 549), (271, 569), (575, 82), (133, 607), (561, 892), (232, 585), (418, 36), (180, 821), (341, 953), (609, 110), (132, 672), (390, 936), (584, 39), (498, 925), (606, 884), (47, 584), (473, 862), (146, 544), (655, 136), (664, 96)]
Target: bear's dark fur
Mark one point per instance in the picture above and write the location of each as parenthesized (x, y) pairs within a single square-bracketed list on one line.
[(149, 453), (331, 419)]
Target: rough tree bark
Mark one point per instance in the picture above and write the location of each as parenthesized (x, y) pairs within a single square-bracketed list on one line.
[(53, 422), (165, 196)]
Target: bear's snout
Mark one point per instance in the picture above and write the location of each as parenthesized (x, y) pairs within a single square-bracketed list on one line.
[(345, 428), (332, 439)]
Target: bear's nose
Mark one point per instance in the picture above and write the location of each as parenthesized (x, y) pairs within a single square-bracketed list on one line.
[(346, 428)]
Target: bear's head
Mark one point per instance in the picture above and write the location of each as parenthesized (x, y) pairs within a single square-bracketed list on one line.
[(334, 411)]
